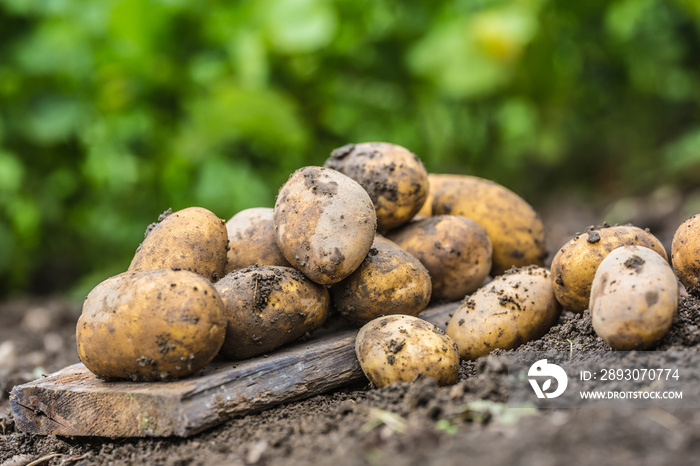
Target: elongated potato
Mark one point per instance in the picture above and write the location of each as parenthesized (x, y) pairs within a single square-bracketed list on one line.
[(575, 264), (251, 240), (394, 177), (685, 254), (436, 182), (267, 307), (150, 325), (456, 251), (515, 229), (324, 223), (634, 298), (401, 348), (513, 309), (191, 239)]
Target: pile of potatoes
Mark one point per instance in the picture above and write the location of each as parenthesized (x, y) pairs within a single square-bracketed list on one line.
[(373, 238)]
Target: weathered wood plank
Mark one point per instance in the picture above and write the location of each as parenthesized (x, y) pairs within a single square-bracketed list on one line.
[(74, 402)]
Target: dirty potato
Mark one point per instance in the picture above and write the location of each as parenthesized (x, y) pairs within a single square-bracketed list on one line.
[(401, 348), (634, 298), (685, 252), (574, 265), (513, 309), (389, 281), (456, 251), (324, 223), (191, 239), (267, 307), (436, 182), (150, 325), (394, 177), (251, 240), (515, 229)]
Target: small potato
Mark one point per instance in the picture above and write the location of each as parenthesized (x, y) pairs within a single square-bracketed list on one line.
[(634, 298), (685, 254), (251, 240), (150, 325), (191, 239), (394, 177), (575, 264), (401, 348), (389, 281), (515, 229), (513, 309), (267, 307), (456, 251), (324, 223)]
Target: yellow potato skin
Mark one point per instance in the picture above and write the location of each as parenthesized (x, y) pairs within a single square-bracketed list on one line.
[(251, 240), (193, 239), (513, 309), (401, 348), (389, 281), (685, 251), (456, 251), (267, 307), (574, 265), (150, 325), (394, 177), (515, 229), (634, 298), (436, 182)]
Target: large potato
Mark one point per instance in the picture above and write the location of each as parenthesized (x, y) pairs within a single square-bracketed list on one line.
[(575, 264), (513, 309), (456, 251), (150, 325), (267, 307), (389, 281), (685, 254), (251, 240), (401, 348), (191, 239), (515, 229), (436, 182), (324, 223), (634, 298), (394, 177)]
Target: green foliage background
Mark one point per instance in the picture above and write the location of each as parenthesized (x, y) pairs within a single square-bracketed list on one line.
[(112, 111)]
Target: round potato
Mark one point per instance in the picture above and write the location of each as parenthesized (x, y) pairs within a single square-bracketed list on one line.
[(685, 251), (394, 177), (267, 307), (513, 309), (389, 281), (574, 265), (191, 239), (251, 240), (456, 251), (515, 229), (401, 348), (634, 298), (324, 223), (150, 325)]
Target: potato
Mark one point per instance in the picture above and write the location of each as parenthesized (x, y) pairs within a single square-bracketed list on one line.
[(251, 240), (324, 223), (685, 252), (436, 182), (634, 298), (515, 229), (389, 281), (150, 325), (456, 251), (191, 239), (513, 309), (267, 307), (574, 265), (401, 348), (394, 177)]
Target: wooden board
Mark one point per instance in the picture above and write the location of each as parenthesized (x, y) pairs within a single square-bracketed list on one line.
[(74, 402)]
